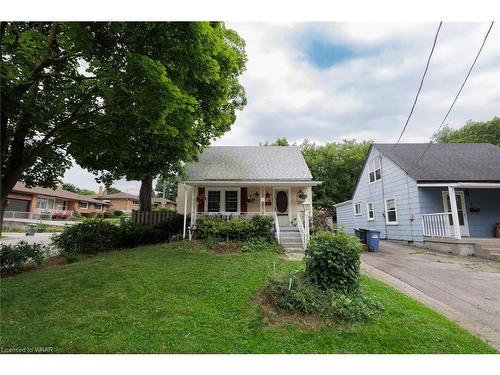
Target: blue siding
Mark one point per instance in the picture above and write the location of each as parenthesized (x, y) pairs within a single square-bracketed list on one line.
[(482, 223), (345, 217), (395, 183)]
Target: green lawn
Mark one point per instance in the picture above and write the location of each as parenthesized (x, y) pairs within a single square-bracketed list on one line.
[(167, 299)]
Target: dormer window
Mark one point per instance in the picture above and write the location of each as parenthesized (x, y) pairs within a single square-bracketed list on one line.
[(375, 173)]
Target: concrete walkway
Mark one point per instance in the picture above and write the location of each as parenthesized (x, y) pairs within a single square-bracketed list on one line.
[(464, 289)]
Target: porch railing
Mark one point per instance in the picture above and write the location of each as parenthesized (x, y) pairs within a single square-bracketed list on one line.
[(436, 225)]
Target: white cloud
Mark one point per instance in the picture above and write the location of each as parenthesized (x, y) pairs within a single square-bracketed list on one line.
[(368, 96)]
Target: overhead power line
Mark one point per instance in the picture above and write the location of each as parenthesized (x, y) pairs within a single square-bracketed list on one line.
[(421, 83), (460, 90)]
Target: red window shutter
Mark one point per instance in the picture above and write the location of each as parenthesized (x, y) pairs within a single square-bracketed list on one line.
[(243, 199), (201, 202)]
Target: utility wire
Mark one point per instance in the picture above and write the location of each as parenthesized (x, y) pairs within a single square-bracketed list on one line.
[(459, 91), (421, 84)]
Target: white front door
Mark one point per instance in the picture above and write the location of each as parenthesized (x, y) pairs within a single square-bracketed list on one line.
[(282, 207), (462, 212)]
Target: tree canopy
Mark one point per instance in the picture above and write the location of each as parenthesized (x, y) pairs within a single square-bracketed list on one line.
[(168, 184), (75, 189), (112, 190), (471, 132), (122, 99), (338, 165)]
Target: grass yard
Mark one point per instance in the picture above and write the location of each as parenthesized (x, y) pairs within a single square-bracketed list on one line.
[(170, 299)]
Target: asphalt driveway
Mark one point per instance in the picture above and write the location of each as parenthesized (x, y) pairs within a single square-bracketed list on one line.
[(466, 289)]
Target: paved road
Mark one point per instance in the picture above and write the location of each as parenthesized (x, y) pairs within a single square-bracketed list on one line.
[(467, 287), (12, 238)]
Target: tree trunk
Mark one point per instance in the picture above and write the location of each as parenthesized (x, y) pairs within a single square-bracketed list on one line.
[(146, 193)]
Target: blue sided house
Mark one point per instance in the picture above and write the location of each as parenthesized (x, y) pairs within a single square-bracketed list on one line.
[(404, 192)]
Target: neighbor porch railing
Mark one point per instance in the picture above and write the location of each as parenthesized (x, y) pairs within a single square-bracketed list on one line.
[(436, 225), (277, 227)]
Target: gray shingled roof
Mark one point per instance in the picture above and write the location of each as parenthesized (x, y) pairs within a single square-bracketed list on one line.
[(224, 163), (449, 162)]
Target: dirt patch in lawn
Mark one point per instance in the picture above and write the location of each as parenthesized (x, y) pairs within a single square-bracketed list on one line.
[(273, 317)]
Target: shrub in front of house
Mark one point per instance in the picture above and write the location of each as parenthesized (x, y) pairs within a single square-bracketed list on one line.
[(332, 261), (13, 258), (294, 292), (92, 236), (258, 244), (329, 285), (108, 214), (118, 213), (237, 229)]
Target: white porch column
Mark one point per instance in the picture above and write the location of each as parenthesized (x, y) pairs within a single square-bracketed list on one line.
[(454, 212), (185, 211), (193, 209)]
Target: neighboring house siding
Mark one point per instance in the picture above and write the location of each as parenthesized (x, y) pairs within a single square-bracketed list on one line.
[(395, 183), (345, 217), (482, 223)]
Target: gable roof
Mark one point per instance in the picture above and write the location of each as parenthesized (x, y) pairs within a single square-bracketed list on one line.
[(244, 163), (57, 193), (446, 162)]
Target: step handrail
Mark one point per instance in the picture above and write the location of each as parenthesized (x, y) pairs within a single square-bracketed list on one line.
[(277, 227), (301, 230)]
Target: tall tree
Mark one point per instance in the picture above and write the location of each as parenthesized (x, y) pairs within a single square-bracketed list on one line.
[(192, 70), (112, 190), (168, 185), (72, 88), (471, 132), (338, 165)]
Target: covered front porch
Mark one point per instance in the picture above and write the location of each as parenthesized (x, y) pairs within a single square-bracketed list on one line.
[(466, 225), (289, 203)]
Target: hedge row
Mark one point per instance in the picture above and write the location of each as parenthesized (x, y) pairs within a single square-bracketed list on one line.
[(238, 229), (92, 236)]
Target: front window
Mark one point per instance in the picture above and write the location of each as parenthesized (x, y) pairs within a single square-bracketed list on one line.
[(213, 201), (231, 200), (84, 205), (369, 211), (357, 208), (375, 173), (391, 215), (98, 207), (44, 203)]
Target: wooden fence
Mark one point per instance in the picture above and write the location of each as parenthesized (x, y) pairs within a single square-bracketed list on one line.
[(151, 217)]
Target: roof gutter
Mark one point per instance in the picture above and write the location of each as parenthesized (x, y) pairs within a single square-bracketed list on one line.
[(252, 183), (464, 185)]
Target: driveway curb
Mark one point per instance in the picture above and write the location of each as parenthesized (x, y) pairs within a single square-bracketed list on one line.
[(473, 326)]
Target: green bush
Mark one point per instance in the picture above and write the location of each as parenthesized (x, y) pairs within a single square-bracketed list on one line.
[(118, 213), (96, 235), (14, 257), (295, 292), (332, 261), (257, 244), (238, 229), (89, 236), (109, 214), (88, 215)]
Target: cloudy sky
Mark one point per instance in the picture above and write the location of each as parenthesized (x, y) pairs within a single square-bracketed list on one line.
[(329, 81)]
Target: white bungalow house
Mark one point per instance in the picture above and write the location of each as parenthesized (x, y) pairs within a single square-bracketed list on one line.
[(406, 196), (241, 181)]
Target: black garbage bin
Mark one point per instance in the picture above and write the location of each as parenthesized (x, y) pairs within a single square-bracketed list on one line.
[(373, 240), (357, 233)]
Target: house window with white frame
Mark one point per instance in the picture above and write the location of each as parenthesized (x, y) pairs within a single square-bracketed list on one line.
[(391, 215), (83, 205), (357, 208), (369, 211), (98, 207), (213, 201), (222, 200), (375, 170), (45, 203)]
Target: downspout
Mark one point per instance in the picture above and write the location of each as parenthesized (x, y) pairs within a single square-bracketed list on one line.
[(383, 194), (185, 212), (409, 206)]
